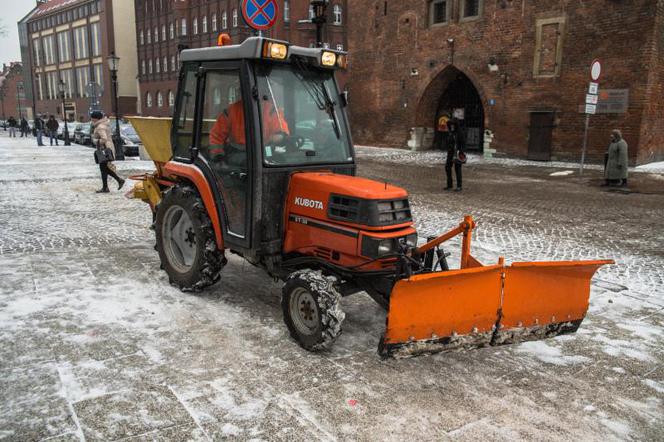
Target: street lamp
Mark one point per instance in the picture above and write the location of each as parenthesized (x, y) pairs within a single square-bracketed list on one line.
[(34, 94), (19, 90), (113, 65), (61, 88)]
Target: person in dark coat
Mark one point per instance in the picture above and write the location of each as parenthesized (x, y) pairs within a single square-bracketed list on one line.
[(52, 125), (615, 173), (39, 130), (25, 128), (12, 124), (455, 147)]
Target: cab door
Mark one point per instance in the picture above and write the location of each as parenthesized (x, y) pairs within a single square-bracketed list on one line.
[(224, 147)]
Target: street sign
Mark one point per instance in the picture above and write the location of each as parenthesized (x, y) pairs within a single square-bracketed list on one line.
[(260, 14), (591, 109), (591, 99), (593, 88), (596, 70)]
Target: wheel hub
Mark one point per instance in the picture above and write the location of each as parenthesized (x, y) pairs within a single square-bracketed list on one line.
[(179, 239), (304, 311)]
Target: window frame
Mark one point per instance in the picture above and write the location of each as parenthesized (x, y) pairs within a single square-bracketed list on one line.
[(539, 26)]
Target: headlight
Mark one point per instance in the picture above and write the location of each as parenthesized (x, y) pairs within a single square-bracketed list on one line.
[(385, 247), (328, 59), (277, 51)]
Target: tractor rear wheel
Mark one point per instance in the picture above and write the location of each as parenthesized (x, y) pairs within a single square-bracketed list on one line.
[(186, 241), (312, 313)]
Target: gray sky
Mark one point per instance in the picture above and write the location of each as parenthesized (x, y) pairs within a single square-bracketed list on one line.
[(12, 12)]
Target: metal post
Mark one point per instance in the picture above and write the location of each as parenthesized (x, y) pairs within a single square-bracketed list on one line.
[(18, 99), (64, 117), (117, 140), (585, 144)]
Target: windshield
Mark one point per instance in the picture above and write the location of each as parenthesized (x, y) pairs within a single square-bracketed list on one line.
[(301, 116)]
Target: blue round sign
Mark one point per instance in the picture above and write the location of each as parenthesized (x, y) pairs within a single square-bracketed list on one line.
[(260, 14)]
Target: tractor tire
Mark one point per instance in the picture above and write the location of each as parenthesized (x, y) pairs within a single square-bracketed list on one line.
[(311, 308), (186, 240)]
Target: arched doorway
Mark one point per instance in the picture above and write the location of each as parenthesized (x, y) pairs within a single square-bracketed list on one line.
[(453, 94)]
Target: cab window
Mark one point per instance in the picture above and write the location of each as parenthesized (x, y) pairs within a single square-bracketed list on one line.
[(183, 132)]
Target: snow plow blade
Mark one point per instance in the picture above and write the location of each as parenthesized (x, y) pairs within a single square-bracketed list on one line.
[(482, 306)]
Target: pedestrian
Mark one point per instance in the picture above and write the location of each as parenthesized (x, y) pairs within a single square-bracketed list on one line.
[(52, 125), (617, 161), (39, 130), (13, 124), (455, 155), (25, 128), (102, 138)]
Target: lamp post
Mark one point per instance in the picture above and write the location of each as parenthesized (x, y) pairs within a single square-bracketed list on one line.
[(113, 65), (19, 89), (34, 94), (61, 87), (319, 19)]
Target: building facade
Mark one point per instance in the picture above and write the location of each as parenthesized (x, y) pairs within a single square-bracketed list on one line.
[(519, 68), (69, 42), (12, 92), (165, 27)]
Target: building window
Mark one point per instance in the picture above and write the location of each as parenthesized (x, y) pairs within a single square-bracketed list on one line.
[(95, 39), (172, 31), (183, 26), (471, 8), (160, 99), (286, 11), (312, 13), (337, 15), (171, 99), (82, 80), (224, 20), (214, 22), (141, 38), (156, 35), (149, 35), (149, 66), (235, 18), (81, 42), (66, 78), (549, 47), (205, 29), (49, 50), (194, 26), (143, 67), (148, 99), (173, 64), (64, 54), (163, 32), (157, 65), (99, 75), (36, 53), (439, 12)]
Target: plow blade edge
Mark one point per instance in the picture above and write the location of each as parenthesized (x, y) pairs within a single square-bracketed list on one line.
[(483, 306)]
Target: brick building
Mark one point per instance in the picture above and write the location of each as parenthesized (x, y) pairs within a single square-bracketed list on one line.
[(69, 41), (12, 92), (520, 68), (164, 27)]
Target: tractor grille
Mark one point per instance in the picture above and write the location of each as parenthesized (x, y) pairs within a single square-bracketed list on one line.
[(394, 212), (345, 208)]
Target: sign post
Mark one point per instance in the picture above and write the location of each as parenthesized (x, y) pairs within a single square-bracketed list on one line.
[(260, 15), (591, 105)]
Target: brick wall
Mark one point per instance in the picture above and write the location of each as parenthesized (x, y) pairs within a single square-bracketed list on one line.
[(401, 65)]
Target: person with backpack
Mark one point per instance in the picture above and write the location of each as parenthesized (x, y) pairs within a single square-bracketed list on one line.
[(102, 139)]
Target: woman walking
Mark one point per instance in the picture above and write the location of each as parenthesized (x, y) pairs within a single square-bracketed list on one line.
[(103, 140)]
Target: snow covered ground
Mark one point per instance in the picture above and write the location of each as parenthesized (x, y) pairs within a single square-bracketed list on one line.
[(95, 344)]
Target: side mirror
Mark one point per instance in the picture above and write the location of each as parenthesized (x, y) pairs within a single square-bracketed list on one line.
[(344, 98)]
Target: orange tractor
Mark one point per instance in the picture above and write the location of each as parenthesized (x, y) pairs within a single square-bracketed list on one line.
[(258, 161)]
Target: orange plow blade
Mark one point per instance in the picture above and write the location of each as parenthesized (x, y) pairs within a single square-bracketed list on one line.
[(482, 306)]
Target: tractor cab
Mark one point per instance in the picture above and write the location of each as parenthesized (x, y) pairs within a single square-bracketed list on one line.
[(250, 115)]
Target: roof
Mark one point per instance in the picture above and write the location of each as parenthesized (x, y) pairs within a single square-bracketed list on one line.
[(52, 6)]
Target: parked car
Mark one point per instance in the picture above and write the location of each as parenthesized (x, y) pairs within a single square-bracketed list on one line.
[(83, 134), (130, 140)]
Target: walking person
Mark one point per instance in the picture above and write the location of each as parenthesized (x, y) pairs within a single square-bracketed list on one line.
[(617, 161), (455, 155), (52, 125), (25, 128), (102, 138), (13, 124), (39, 130)]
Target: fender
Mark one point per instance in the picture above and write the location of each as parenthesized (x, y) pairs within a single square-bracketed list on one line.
[(194, 174)]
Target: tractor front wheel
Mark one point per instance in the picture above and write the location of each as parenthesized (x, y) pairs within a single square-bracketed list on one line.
[(312, 313), (185, 240)]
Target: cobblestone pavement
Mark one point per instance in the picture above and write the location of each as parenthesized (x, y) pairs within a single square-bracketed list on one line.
[(95, 345)]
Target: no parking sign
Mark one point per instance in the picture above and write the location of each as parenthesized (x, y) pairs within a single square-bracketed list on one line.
[(260, 14)]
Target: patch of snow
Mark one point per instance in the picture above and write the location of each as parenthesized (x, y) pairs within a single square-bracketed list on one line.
[(562, 173), (621, 429), (551, 355), (657, 386), (657, 167)]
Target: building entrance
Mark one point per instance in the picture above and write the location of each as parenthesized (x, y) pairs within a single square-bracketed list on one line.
[(460, 100)]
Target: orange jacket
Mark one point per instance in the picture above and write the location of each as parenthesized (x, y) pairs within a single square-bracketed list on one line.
[(229, 127)]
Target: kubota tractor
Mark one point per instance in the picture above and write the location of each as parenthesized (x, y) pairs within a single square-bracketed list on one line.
[(258, 161)]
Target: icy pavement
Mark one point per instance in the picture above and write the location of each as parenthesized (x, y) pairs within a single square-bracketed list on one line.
[(95, 345)]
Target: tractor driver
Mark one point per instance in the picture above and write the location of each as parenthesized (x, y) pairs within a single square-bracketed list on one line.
[(228, 136)]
